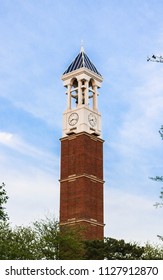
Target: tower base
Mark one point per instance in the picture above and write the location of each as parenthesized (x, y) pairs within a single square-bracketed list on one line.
[(81, 184)]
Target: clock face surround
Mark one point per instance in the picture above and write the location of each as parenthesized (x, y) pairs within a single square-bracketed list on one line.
[(73, 119), (92, 119)]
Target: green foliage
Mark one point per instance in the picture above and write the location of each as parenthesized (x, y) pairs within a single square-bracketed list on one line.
[(44, 240), (94, 250), (5, 240), (113, 249), (71, 243), (3, 200), (19, 243), (119, 250), (47, 232), (154, 252), (58, 244)]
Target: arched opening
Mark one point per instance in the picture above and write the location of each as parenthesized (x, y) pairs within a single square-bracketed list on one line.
[(91, 93), (74, 92)]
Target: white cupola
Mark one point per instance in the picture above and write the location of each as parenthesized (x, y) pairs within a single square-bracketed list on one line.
[(82, 81)]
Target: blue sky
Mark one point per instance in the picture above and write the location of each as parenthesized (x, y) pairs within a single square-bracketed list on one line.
[(39, 39)]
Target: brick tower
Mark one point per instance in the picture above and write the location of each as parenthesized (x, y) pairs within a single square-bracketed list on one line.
[(81, 178)]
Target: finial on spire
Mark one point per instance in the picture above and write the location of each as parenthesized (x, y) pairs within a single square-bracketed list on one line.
[(82, 48)]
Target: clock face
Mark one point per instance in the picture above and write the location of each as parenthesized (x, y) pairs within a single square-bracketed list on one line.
[(92, 119), (73, 119)]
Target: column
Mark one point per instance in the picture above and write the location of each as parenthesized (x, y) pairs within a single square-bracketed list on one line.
[(95, 97), (79, 92), (86, 92), (69, 97)]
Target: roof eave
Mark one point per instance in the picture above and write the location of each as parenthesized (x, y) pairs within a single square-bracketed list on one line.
[(82, 70)]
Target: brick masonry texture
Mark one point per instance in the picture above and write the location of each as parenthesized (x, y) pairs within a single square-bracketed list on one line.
[(81, 187)]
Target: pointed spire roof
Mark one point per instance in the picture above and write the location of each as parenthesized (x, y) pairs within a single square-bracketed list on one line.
[(81, 61)]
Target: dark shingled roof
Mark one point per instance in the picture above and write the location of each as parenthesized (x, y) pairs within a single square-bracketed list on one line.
[(80, 61)]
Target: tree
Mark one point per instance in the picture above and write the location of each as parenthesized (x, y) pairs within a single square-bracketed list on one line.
[(57, 243), (42, 240), (71, 246), (5, 240), (3, 200), (154, 252), (19, 243), (94, 250), (113, 249), (121, 250)]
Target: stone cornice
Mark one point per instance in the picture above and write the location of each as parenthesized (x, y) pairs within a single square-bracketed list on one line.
[(73, 177), (74, 221), (74, 135)]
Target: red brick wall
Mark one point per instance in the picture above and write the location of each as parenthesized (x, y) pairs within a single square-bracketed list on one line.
[(81, 195), (81, 154), (92, 232), (81, 198)]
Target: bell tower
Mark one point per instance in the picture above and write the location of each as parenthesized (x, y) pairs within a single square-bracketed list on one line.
[(81, 178)]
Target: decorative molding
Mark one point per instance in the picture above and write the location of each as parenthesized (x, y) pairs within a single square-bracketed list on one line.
[(74, 135), (73, 221), (73, 177)]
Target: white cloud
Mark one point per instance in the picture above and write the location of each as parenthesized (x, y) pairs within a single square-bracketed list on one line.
[(131, 217), (6, 138), (16, 143), (139, 122), (31, 184), (32, 192)]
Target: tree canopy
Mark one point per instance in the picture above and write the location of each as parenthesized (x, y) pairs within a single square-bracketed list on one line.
[(3, 200), (44, 240)]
